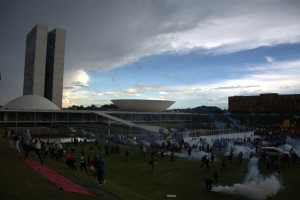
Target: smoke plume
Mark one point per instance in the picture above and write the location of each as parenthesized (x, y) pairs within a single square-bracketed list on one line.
[(255, 186)]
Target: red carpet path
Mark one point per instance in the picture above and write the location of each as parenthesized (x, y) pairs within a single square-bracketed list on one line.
[(59, 180)]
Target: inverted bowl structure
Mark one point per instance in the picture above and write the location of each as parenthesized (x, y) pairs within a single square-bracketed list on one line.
[(30, 102), (142, 105)]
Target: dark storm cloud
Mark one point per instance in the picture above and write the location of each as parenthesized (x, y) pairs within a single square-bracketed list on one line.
[(102, 35)]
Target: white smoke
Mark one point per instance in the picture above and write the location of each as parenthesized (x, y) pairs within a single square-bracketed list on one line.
[(255, 186), (291, 143), (195, 154), (211, 138), (237, 149)]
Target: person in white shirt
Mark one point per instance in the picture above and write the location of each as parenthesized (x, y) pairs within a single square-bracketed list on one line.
[(36, 141)]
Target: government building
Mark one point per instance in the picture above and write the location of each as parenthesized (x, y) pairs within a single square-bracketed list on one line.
[(271, 102), (44, 63)]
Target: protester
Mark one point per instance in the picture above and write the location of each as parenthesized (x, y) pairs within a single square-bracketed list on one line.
[(230, 156), (36, 141), (126, 156), (144, 151), (82, 152), (69, 160), (224, 166), (99, 148), (6, 135), (73, 162), (44, 149), (212, 158), (89, 158), (101, 169), (15, 139), (152, 163), (215, 176), (207, 166), (156, 155), (203, 159), (172, 156), (240, 158), (83, 164), (259, 164), (26, 141), (92, 168), (208, 182)]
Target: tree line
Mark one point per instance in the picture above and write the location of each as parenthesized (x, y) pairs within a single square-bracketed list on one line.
[(94, 107)]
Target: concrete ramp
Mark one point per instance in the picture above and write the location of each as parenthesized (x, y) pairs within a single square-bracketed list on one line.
[(154, 129)]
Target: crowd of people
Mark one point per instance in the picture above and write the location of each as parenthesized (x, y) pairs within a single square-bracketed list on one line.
[(270, 136), (97, 166)]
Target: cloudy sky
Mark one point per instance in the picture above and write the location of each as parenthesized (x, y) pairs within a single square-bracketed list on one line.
[(195, 52)]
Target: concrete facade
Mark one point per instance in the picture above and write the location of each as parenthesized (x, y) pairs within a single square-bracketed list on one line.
[(35, 61), (44, 63), (272, 102), (55, 66)]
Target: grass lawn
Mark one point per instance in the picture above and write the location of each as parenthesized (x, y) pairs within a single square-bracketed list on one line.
[(129, 180)]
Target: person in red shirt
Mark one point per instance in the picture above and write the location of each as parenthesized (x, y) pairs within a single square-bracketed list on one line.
[(89, 158), (69, 160), (83, 151), (92, 168)]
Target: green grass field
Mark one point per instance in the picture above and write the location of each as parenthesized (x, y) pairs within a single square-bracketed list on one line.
[(129, 180)]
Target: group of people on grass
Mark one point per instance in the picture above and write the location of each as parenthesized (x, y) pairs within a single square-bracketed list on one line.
[(97, 165)]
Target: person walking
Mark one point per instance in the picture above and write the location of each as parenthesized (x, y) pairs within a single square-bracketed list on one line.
[(224, 166), (144, 151), (83, 164), (73, 162), (69, 160), (26, 141), (152, 164), (156, 155), (215, 176), (212, 158), (99, 149), (36, 141), (207, 166), (230, 157), (126, 156), (240, 158), (203, 160), (172, 156), (101, 168), (15, 139)]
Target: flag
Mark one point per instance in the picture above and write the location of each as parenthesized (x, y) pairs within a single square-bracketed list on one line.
[(58, 144), (169, 137), (48, 142)]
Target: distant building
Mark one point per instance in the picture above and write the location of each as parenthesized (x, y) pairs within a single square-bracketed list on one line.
[(271, 102), (44, 63)]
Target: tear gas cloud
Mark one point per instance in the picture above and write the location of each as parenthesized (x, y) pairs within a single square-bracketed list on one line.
[(195, 154), (211, 138), (291, 143), (255, 186), (237, 149)]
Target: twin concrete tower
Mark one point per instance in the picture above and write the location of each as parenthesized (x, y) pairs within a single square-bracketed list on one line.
[(44, 63)]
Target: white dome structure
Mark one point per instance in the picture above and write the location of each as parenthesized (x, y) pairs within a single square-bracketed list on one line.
[(30, 102), (142, 105)]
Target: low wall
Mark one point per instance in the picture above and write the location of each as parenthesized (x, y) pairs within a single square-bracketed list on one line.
[(40, 130)]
